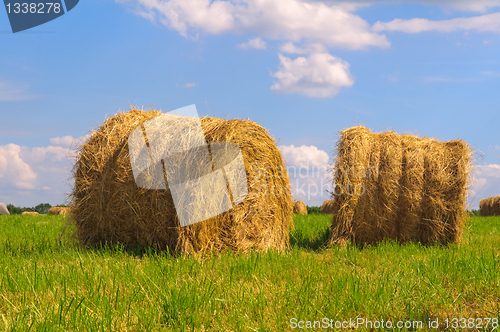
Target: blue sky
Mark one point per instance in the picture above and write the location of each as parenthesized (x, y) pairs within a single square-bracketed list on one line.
[(303, 70)]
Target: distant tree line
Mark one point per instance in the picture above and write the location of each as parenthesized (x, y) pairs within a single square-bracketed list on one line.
[(41, 208), (313, 209)]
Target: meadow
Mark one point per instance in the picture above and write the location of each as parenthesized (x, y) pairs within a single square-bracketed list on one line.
[(48, 283)]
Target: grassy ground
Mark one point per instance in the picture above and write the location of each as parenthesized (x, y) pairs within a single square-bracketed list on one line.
[(50, 285)]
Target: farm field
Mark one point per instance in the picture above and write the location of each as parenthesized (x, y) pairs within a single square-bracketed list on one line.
[(49, 284)]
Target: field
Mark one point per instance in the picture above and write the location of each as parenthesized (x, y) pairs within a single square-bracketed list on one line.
[(48, 284)]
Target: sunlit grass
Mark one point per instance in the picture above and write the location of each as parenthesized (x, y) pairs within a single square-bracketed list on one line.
[(48, 283)]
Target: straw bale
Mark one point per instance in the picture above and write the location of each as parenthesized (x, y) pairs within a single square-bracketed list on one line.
[(59, 210), (489, 206), (28, 213), (327, 207), (352, 158), (300, 208), (412, 189), (3, 209), (496, 206), (483, 207), (108, 206)]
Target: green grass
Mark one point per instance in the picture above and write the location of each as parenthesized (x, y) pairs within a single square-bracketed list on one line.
[(50, 285)]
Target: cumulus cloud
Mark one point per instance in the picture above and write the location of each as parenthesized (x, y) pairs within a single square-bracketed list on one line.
[(309, 171), (461, 5), (13, 92), (65, 141), (190, 85), (29, 176), (25, 168), (488, 22), (318, 75), (486, 184), (256, 43), (290, 48), (314, 26), (14, 171), (288, 20), (304, 156)]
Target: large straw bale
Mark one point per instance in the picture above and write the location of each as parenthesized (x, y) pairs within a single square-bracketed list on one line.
[(349, 179), (3, 209), (489, 206), (108, 206), (300, 208), (390, 186), (29, 213), (59, 210), (327, 207)]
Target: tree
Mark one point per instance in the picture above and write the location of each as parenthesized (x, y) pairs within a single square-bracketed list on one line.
[(14, 209), (42, 207)]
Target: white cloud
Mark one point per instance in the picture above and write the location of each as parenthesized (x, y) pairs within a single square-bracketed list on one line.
[(29, 176), (190, 85), (290, 48), (256, 43), (488, 22), (25, 168), (12, 92), (318, 75), (309, 171), (304, 156), (487, 184), (461, 5), (65, 141), (287, 20), (14, 171)]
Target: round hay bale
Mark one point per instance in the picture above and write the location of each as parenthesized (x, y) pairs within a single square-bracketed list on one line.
[(28, 213), (300, 208), (3, 209), (484, 207), (495, 206), (489, 206), (327, 207), (59, 210), (108, 206)]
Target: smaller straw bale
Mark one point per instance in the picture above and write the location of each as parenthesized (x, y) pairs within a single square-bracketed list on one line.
[(489, 206), (327, 207), (28, 213), (3, 209), (401, 187), (300, 208), (59, 210)]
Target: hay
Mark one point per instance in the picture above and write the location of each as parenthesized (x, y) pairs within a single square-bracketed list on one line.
[(327, 207), (300, 208), (489, 206), (3, 209), (59, 210), (108, 206), (28, 213), (390, 186)]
